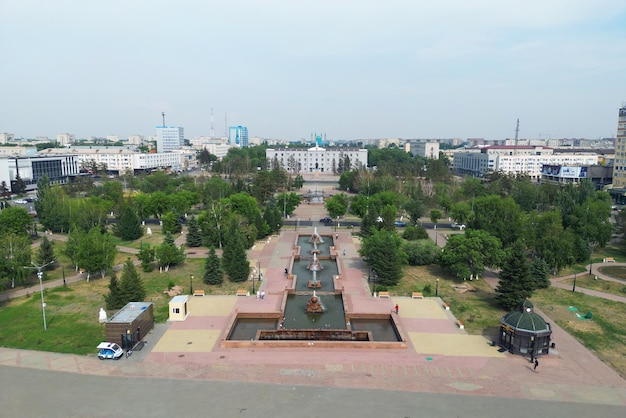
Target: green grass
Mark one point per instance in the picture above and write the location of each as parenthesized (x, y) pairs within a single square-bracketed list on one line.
[(588, 281)]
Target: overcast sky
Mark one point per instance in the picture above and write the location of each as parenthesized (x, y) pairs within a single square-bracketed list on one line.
[(287, 68)]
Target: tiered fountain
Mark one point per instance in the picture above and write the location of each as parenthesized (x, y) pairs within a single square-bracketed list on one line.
[(314, 266)]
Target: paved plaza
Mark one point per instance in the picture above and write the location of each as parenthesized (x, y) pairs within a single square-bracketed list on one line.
[(440, 358)]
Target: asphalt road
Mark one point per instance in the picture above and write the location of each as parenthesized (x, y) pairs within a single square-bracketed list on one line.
[(41, 393)]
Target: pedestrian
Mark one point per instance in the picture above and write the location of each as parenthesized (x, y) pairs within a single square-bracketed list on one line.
[(344, 252), (397, 308), (336, 236), (263, 295), (536, 364)]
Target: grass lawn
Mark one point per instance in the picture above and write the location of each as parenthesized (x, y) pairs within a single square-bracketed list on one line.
[(588, 282)]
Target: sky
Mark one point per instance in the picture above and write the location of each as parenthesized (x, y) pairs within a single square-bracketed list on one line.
[(353, 69)]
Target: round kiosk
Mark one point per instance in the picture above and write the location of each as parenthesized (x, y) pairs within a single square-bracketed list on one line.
[(525, 332)]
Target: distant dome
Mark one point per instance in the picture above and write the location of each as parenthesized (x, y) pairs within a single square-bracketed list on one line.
[(525, 319)]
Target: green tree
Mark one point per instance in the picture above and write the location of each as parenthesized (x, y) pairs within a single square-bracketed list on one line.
[(131, 288), (383, 251), (15, 253), (147, 255), (96, 252), (171, 223), (19, 186), (412, 233), (128, 226), (467, 255), (213, 272), (337, 205), (168, 254), (113, 299), (15, 220), (516, 283), (194, 234), (421, 253), (234, 258), (435, 215), (539, 271), (45, 253), (415, 209)]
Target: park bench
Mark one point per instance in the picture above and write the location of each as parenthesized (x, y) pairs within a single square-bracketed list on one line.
[(383, 294), (241, 292), (609, 260), (417, 295), (461, 324), (199, 292)]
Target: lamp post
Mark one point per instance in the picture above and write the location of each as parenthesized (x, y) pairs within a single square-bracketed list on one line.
[(437, 288), (574, 287), (191, 284), (40, 277), (375, 276)]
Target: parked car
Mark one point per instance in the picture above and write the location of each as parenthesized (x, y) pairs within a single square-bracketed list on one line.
[(460, 226), (326, 220), (400, 224), (110, 351)]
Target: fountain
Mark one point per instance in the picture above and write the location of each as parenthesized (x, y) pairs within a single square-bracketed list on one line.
[(314, 266), (314, 305), (316, 238), (315, 250)]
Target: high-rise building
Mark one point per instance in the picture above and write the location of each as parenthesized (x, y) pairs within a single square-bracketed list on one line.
[(65, 139), (238, 136), (169, 138), (619, 168)]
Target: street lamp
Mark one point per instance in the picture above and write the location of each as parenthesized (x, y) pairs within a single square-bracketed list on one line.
[(437, 288), (574, 287), (40, 277), (191, 284)]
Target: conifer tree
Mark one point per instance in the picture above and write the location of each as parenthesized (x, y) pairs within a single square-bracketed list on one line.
[(113, 299), (194, 235), (128, 226), (213, 273), (539, 271), (131, 287), (45, 253), (234, 259), (516, 283)]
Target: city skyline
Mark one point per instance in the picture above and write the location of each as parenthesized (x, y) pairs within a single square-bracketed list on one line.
[(353, 69)]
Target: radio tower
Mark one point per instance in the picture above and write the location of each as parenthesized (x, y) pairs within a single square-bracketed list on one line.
[(212, 133), (163, 114), (516, 135)]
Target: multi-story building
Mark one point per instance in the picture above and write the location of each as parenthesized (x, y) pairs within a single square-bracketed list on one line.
[(619, 168), (527, 160), (316, 159), (59, 169), (238, 136), (169, 138), (5, 138), (426, 149), (66, 139), (135, 139), (18, 151)]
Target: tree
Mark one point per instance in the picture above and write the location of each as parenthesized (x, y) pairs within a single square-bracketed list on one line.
[(194, 234), (15, 220), (516, 283), (435, 215), (128, 226), (539, 271), (168, 254), (421, 253), (415, 209), (96, 252), (131, 287), (337, 205), (234, 258), (113, 299), (384, 253), (15, 253), (147, 255), (45, 253), (467, 255), (19, 186), (171, 223), (213, 273)]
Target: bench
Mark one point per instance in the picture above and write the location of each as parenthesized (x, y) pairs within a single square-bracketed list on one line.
[(383, 294), (460, 324), (198, 292), (446, 305), (241, 292), (609, 260), (417, 295)]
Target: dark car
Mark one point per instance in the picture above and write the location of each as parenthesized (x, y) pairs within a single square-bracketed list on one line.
[(400, 224), (326, 220)]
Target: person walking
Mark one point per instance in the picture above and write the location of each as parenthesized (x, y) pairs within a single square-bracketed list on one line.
[(397, 308), (536, 364)]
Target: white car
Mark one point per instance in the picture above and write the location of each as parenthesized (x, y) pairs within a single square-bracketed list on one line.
[(456, 225), (110, 351)]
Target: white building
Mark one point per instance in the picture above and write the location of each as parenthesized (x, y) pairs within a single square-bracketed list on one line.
[(66, 139), (426, 149), (5, 138), (526, 160), (18, 151), (169, 138), (135, 139), (58, 169), (316, 159)]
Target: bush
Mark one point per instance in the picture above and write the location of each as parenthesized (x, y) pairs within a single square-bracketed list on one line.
[(412, 233), (421, 253)]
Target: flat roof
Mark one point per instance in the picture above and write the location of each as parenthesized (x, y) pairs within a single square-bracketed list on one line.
[(130, 312)]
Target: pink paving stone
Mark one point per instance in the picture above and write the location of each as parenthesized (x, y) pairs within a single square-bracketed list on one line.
[(443, 326), (201, 322)]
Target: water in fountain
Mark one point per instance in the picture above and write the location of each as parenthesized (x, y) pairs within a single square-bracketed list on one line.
[(314, 305), (314, 266), (316, 237)]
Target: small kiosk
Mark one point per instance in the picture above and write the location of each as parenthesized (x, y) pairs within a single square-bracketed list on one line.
[(525, 332), (179, 308), (130, 324)]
